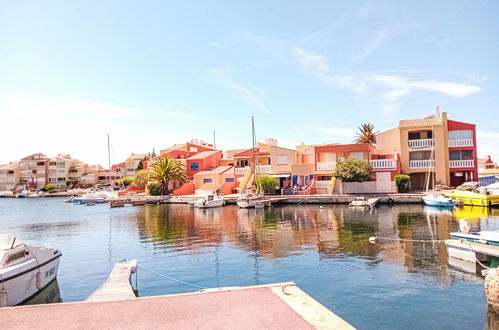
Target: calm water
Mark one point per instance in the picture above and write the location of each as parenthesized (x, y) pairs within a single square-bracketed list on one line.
[(398, 285)]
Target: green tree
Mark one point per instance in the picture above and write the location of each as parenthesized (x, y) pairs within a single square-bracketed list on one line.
[(141, 179), (353, 170), (166, 170), (403, 182), (366, 134), (126, 182), (153, 189), (266, 184), (71, 182)]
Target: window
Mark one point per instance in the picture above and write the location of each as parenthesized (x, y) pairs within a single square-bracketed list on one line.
[(130, 170), (194, 166), (414, 135), (61, 179), (420, 155), (429, 134), (461, 155), (52, 163), (52, 171), (40, 164), (207, 180), (356, 155), (324, 178), (102, 178), (15, 256), (242, 163), (282, 160), (229, 179), (460, 135), (61, 164)]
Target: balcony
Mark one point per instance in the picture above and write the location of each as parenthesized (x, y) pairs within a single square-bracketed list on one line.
[(326, 166), (461, 163), (427, 163), (242, 170), (263, 169), (461, 143), (379, 164), (421, 144)]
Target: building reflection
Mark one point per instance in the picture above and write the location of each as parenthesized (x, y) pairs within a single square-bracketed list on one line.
[(412, 232)]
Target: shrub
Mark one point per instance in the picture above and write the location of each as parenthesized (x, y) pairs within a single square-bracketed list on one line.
[(403, 182), (153, 189), (126, 182), (267, 184), (353, 170)]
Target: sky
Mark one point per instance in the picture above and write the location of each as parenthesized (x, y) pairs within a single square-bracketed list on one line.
[(154, 73)]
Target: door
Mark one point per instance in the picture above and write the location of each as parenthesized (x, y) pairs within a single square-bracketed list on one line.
[(383, 182)]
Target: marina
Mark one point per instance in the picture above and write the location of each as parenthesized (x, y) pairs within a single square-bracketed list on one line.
[(324, 249)]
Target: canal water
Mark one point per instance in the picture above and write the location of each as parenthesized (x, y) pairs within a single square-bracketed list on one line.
[(324, 249)]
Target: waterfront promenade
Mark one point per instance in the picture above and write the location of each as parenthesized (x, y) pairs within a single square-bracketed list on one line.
[(275, 306)]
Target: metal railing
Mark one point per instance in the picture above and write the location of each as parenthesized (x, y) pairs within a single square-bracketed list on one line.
[(461, 143), (421, 143), (326, 166), (383, 163), (461, 163), (421, 163)]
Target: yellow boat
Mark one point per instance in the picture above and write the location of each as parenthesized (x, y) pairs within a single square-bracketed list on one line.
[(470, 194)]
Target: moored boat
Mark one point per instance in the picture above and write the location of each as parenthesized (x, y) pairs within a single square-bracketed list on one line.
[(438, 200), (249, 200), (24, 270), (471, 194), (209, 201)]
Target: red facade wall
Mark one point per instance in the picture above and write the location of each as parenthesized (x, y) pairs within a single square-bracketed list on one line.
[(453, 125)]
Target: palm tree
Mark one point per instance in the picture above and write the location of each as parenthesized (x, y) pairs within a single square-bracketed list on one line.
[(366, 134), (164, 170), (141, 179)]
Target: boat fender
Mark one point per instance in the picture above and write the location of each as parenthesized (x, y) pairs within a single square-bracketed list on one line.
[(390, 201), (39, 280), (3, 298)]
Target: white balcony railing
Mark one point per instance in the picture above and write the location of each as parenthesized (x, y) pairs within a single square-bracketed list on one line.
[(326, 166), (263, 169), (461, 143), (427, 163), (421, 143), (383, 163), (461, 163), (242, 170)]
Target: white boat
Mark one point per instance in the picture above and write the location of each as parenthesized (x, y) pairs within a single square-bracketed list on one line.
[(209, 201), (371, 202), (434, 199), (250, 200), (24, 270)]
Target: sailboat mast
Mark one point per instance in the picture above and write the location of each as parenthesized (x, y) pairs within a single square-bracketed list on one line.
[(109, 161)]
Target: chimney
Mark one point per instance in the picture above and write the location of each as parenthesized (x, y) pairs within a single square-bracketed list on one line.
[(437, 111)]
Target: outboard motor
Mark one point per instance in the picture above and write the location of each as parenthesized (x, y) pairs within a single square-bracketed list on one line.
[(464, 226)]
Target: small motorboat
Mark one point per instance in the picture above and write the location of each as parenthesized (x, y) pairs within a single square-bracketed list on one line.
[(210, 201), (249, 200), (371, 202), (24, 270), (489, 237), (470, 193), (438, 200)]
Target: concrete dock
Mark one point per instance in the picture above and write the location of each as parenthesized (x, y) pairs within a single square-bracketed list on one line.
[(274, 306), (414, 198)]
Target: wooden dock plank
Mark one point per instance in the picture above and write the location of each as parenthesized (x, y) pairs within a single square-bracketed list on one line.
[(117, 286)]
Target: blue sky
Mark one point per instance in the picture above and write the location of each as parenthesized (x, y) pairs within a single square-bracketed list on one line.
[(154, 73)]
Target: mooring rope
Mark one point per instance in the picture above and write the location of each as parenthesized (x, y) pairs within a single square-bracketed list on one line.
[(374, 238), (171, 278)]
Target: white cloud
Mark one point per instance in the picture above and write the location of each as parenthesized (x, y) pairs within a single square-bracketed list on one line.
[(389, 89), (224, 75), (52, 124)]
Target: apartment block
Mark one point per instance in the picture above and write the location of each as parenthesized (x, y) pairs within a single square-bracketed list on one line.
[(434, 150), (9, 176)]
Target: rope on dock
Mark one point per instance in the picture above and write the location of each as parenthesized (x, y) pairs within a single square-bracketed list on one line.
[(171, 278), (374, 238)]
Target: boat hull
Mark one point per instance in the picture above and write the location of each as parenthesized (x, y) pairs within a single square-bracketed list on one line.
[(479, 237), (475, 199), (23, 285), (204, 204)]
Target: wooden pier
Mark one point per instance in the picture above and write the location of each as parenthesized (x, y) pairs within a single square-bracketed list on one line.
[(117, 286)]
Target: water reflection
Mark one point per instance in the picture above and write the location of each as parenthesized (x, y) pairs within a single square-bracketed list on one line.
[(49, 295)]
